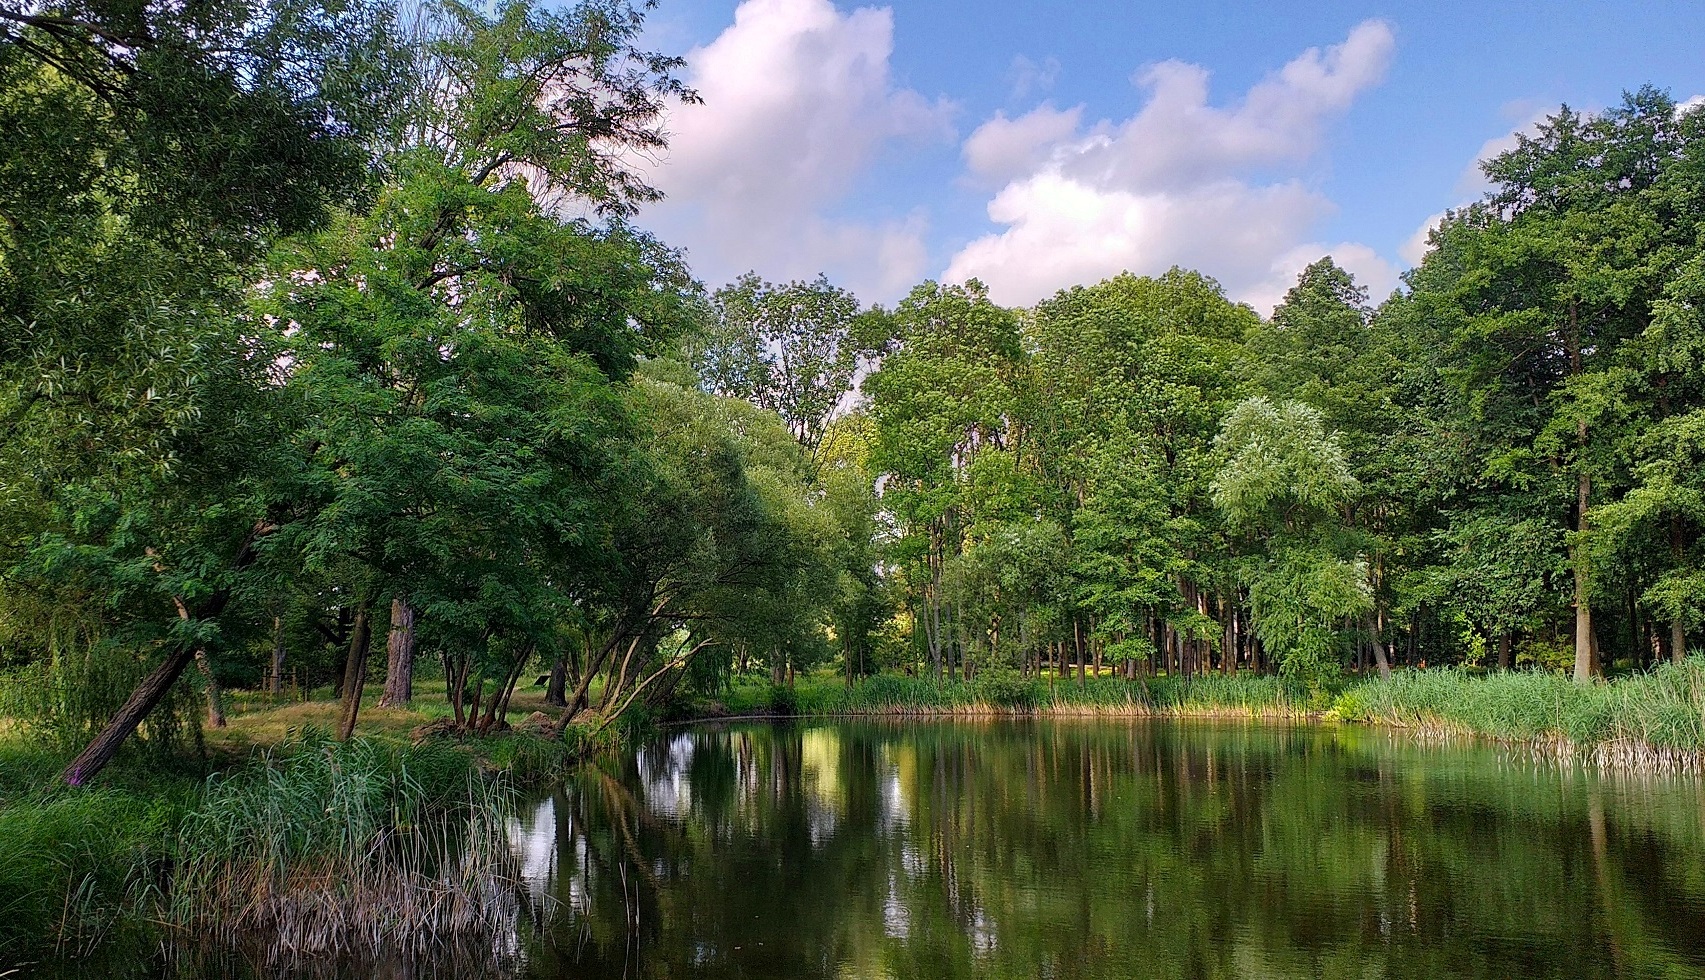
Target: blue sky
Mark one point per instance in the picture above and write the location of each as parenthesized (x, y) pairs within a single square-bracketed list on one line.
[(1040, 145)]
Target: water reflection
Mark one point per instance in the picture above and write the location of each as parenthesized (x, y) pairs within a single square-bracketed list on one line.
[(867, 850)]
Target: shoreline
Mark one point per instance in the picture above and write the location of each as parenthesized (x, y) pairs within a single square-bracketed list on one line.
[(1622, 754)]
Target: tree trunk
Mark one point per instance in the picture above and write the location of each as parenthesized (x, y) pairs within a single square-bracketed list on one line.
[(556, 689), (277, 685), (399, 656), (1504, 643), (152, 690), (215, 696), (142, 700), (1585, 641), (1077, 648), (1380, 659), (354, 672), (1677, 630)]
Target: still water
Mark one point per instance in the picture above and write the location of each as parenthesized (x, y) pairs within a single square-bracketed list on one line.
[(1106, 849)]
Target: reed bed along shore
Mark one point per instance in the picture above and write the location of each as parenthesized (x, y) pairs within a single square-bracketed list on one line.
[(314, 849), (360, 849), (1652, 722)]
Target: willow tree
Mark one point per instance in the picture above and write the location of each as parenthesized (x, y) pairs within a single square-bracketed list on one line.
[(1284, 483)]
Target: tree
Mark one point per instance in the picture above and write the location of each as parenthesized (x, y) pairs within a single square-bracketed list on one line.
[(1284, 482), (1549, 286), (940, 399), (133, 427), (794, 350)]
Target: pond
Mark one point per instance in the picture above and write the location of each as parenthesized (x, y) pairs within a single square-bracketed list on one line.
[(1107, 849)]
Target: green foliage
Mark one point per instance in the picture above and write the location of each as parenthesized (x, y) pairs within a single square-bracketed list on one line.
[(78, 868), (1665, 708), (782, 700), (1005, 688)]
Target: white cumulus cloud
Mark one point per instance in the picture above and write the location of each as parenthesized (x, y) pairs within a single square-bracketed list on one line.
[(1172, 185), (1003, 148), (798, 102)]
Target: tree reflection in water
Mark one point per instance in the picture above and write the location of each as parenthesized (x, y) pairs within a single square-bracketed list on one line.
[(1015, 849)]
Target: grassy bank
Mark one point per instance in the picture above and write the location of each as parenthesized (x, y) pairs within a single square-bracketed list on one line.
[(307, 849), (1653, 721)]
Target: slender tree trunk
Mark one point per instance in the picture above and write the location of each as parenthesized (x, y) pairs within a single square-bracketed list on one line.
[(593, 665), (276, 688), (1677, 629), (215, 696), (455, 678), (1585, 642), (1077, 648), (354, 672), (399, 656), (1380, 659)]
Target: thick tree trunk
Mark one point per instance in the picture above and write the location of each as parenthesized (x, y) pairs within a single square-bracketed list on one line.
[(1504, 643), (142, 700), (556, 689), (148, 694), (354, 672), (399, 656), (215, 696)]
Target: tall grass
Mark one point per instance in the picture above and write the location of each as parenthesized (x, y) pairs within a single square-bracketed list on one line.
[(1008, 693), (1654, 720), (358, 848), (1647, 720), (77, 867), (368, 848)]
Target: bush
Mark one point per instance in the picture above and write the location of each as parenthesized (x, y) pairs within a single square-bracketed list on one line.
[(782, 700), (1008, 689)]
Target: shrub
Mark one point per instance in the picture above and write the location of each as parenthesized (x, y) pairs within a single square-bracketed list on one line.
[(1008, 689), (782, 700)]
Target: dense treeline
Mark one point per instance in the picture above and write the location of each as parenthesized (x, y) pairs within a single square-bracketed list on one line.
[(325, 333)]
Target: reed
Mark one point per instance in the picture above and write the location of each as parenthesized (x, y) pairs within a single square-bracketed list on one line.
[(1651, 721), (1011, 694), (76, 866), (355, 849)]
